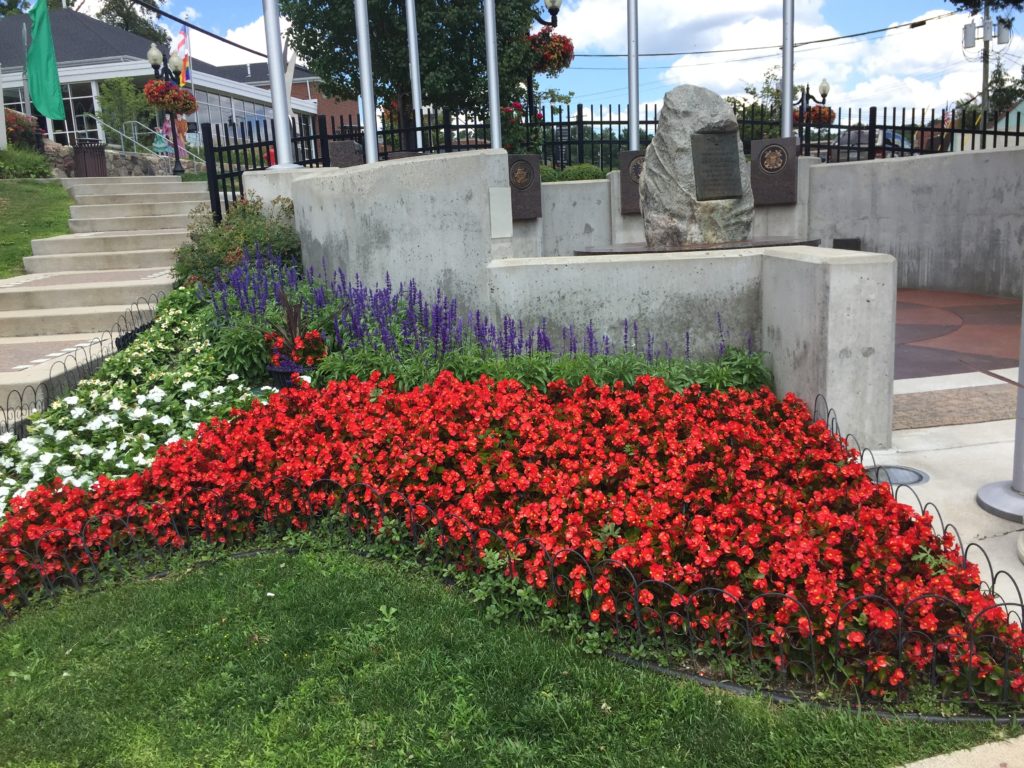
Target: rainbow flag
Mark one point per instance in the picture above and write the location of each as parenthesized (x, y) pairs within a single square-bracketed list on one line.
[(184, 50)]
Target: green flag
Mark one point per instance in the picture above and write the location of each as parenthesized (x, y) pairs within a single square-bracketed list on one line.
[(41, 62)]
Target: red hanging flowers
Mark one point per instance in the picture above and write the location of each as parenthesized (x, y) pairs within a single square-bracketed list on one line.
[(170, 97), (552, 52)]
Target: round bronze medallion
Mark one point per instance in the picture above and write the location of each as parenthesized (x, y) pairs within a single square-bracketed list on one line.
[(773, 158), (636, 165), (521, 175)]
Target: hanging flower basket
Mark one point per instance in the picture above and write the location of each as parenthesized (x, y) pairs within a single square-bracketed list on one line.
[(816, 115), (170, 97), (552, 52)]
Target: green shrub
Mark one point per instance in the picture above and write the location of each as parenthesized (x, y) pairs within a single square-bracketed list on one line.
[(17, 163), (548, 173), (582, 172), (212, 247), (240, 347)]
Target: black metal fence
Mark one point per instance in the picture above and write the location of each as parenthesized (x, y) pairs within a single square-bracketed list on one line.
[(234, 148), (875, 133), (596, 135)]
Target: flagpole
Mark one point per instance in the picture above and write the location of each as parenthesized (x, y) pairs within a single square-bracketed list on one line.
[(24, 69), (3, 133)]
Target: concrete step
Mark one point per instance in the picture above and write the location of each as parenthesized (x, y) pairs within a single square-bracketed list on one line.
[(84, 181), (37, 322), (51, 292), (142, 207), (138, 188), (87, 262), (102, 242), (132, 197), (40, 367), (130, 223)]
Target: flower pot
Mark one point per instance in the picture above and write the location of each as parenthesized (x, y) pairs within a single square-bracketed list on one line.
[(281, 377)]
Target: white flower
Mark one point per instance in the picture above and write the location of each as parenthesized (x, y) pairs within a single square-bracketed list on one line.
[(77, 413), (172, 439), (46, 458), (138, 413), (61, 434), (115, 404), (156, 394), (28, 448), (165, 420), (205, 394), (96, 423), (65, 470), (190, 403), (71, 400), (6, 438), (188, 385), (232, 377)]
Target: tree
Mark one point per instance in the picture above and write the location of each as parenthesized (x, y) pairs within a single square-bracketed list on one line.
[(451, 43), (126, 15), (121, 101), (1004, 90), (977, 6), (9, 7)]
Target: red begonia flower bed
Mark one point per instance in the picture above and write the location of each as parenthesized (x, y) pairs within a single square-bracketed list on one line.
[(727, 508)]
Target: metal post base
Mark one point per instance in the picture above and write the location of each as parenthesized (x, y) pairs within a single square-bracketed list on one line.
[(1001, 500)]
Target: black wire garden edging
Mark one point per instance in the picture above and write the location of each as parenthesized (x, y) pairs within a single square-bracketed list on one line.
[(83, 362)]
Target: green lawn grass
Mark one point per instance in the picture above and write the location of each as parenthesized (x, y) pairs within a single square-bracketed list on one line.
[(29, 209), (326, 658)]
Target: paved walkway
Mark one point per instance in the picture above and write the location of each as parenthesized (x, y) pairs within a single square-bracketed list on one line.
[(956, 422)]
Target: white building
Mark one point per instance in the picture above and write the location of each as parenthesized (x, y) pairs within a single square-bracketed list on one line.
[(90, 51)]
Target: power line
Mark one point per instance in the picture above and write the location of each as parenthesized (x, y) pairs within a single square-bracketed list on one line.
[(190, 25), (910, 24)]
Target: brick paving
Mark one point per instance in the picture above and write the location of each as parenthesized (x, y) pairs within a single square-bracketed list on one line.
[(942, 332), (964, 405)]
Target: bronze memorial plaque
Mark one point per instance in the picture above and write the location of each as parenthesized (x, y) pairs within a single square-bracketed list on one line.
[(773, 166), (524, 181), (716, 166)]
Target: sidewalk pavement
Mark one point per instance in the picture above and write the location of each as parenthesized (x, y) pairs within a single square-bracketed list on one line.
[(957, 423)]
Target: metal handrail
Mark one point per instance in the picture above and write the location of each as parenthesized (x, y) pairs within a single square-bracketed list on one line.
[(134, 141)]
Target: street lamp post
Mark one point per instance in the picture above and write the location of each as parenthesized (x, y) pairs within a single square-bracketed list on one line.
[(553, 6), (803, 103), (168, 69)]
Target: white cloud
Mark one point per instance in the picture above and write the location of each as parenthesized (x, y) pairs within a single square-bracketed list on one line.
[(923, 67), (252, 35)]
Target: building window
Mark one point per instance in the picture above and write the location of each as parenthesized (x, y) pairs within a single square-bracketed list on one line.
[(79, 110)]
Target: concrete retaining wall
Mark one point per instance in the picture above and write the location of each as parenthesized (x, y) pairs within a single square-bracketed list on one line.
[(951, 220), (826, 318)]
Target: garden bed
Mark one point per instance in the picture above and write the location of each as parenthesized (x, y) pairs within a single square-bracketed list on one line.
[(714, 526)]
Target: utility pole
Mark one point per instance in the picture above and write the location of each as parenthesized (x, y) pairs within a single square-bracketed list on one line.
[(984, 61), (787, 69)]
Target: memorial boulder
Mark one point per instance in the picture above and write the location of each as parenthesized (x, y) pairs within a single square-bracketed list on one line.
[(695, 186)]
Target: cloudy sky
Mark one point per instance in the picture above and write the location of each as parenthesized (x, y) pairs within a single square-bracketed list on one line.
[(925, 66)]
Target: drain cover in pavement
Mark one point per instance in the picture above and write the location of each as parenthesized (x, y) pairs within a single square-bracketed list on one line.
[(896, 475)]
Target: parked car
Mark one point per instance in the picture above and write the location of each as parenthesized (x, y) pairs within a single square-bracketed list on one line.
[(855, 145)]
